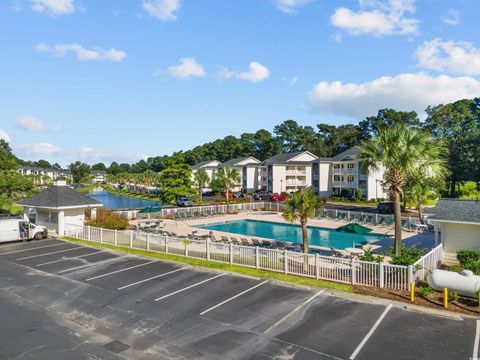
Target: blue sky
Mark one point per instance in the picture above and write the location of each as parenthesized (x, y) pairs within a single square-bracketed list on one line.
[(121, 80)]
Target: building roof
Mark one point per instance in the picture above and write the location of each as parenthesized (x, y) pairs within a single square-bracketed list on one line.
[(234, 162), (59, 197), (288, 157), (98, 172), (353, 151), (36, 168), (455, 210), (204, 163)]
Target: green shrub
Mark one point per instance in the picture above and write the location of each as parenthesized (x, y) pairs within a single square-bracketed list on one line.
[(453, 296), (408, 255), (107, 219), (370, 256), (469, 259), (358, 194), (425, 291)]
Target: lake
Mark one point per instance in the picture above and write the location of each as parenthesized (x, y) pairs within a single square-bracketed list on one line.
[(114, 201)]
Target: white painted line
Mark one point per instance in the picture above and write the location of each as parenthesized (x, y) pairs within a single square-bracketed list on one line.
[(233, 297), (50, 253), (81, 267), (372, 330), (117, 271), (293, 311), (189, 287), (35, 248), (20, 243), (475, 344), (69, 258), (153, 277)]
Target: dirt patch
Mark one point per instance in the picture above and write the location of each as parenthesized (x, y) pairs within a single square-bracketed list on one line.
[(463, 305)]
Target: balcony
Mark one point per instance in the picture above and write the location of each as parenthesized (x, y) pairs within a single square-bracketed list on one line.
[(345, 171), (345, 184), (296, 172), (295, 183)]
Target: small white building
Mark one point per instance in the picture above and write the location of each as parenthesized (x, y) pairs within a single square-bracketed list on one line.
[(457, 226), (58, 205), (99, 176)]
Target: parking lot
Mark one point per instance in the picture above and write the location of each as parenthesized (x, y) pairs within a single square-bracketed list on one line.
[(61, 300)]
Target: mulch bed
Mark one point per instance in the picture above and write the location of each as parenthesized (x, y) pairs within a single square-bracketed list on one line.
[(463, 305)]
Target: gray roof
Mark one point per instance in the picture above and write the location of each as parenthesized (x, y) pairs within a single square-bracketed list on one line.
[(285, 157), (456, 210), (233, 162), (347, 153), (201, 164), (59, 197)]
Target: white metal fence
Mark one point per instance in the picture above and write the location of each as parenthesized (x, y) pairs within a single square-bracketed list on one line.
[(427, 263), (316, 266)]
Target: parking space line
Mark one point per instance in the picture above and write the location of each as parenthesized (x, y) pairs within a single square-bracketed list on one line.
[(50, 253), (69, 258), (293, 311), (233, 297), (372, 330), (151, 278), (189, 287), (18, 243), (35, 248), (475, 344), (81, 267), (117, 271)]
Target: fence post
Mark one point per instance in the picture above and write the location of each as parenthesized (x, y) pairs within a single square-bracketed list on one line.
[(285, 259), (101, 235), (115, 237), (88, 233), (354, 272), (257, 258), (166, 245), (208, 248), (410, 275), (382, 274), (231, 254), (131, 239), (148, 241), (186, 242), (317, 266)]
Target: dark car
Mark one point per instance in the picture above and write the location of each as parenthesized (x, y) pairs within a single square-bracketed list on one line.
[(385, 207), (263, 195)]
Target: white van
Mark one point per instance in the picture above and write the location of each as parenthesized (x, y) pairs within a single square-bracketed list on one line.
[(20, 229)]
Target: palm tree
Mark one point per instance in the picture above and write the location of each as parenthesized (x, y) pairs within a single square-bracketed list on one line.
[(201, 179), (420, 189), (299, 207), (228, 178), (401, 152)]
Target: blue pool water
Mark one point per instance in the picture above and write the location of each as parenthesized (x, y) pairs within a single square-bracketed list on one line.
[(114, 201), (293, 233)]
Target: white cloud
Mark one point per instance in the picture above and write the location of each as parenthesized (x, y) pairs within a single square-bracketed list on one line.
[(290, 6), (378, 18), (455, 57), (452, 18), (402, 92), (4, 136), (165, 10), (41, 149), (83, 54), (188, 68), (54, 7), (256, 73), (31, 123)]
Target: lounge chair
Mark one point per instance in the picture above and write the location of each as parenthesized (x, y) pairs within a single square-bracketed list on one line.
[(369, 219), (190, 236), (225, 239), (235, 241), (245, 242), (212, 237), (336, 253), (257, 242), (381, 221), (390, 222), (173, 234)]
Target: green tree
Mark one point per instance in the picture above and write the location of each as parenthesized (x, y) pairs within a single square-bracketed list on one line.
[(401, 152), (7, 159), (227, 178), (99, 167), (386, 118), (299, 207), (175, 179), (14, 186), (80, 172), (201, 179), (419, 188)]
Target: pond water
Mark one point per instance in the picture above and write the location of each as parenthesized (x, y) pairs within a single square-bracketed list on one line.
[(114, 201)]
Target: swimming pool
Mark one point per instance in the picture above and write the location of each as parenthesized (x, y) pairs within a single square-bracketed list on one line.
[(293, 233)]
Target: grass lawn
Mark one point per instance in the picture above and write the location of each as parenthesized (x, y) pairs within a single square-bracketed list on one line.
[(220, 266)]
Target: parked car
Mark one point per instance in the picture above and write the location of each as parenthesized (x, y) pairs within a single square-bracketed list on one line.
[(263, 195), (385, 207), (12, 229), (230, 195), (239, 195), (184, 201), (278, 197)]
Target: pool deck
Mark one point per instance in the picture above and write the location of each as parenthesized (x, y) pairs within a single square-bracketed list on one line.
[(184, 227)]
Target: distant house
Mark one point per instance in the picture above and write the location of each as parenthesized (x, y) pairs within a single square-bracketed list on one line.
[(99, 176), (59, 205), (458, 222), (37, 173)]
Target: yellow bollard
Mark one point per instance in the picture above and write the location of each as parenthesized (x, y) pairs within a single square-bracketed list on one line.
[(412, 292), (445, 298)]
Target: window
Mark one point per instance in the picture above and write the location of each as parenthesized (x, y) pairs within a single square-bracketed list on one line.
[(336, 177), (351, 166), (336, 166), (350, 178)]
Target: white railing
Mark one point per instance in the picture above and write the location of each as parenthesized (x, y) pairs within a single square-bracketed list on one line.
[(427, 263), (315, 266)]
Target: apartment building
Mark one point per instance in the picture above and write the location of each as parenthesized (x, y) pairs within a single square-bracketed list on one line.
[(288, 172), (249, 170), (210, 167), (99, 176), (40, 175)]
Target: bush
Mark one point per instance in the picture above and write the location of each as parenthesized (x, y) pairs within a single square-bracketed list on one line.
[(370, 256), (107, 219), (358, 194), (425, 291), (453, 296), (469, 259), (408, 255)]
